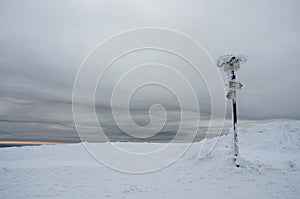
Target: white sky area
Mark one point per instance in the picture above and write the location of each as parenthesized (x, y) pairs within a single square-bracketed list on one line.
[(43, 43)]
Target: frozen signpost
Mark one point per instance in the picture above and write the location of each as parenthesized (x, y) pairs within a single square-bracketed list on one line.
[(230, 64)]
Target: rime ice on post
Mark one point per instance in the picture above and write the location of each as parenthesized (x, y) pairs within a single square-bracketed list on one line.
[(230, 64)]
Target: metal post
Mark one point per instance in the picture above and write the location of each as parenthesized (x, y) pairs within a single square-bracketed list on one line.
[(235, 136), (230, 64), (234, 122)]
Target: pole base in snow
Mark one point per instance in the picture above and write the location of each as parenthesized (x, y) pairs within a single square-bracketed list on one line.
[(236, 161)]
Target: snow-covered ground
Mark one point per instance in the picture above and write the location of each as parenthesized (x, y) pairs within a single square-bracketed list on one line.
[(270, 168)]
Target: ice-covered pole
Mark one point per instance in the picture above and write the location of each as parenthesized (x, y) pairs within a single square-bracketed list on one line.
[(234, 123), (230, 64)]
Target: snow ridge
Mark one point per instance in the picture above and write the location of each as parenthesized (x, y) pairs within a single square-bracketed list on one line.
[(270, 168)]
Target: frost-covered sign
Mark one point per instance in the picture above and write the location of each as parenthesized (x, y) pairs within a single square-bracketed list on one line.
[(230, 64)]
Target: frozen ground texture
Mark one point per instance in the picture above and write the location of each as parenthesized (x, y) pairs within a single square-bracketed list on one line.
[(270, 168)]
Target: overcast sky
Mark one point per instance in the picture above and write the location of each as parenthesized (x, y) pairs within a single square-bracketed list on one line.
[(43, 43)]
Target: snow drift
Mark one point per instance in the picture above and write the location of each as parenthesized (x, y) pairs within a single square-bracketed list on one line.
[(270, 163)]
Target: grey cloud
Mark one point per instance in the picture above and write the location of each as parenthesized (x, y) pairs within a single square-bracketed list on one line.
[(43, 43)]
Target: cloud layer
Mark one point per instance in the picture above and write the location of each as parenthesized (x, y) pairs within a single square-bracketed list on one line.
[(43, 43)]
